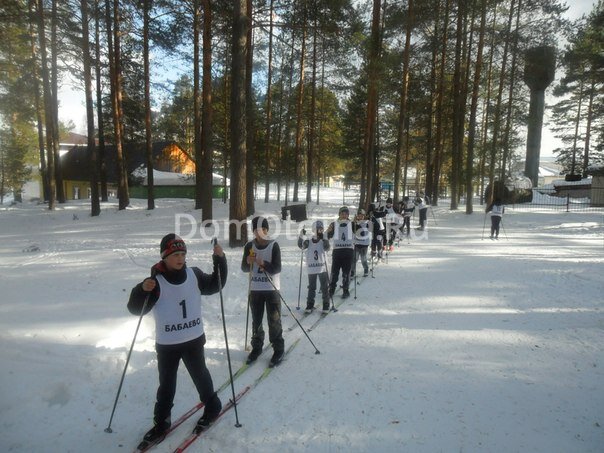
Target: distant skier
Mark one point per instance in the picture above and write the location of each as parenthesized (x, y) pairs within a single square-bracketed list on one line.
[(378, 230), (173, 294), (497, 209), (362, 238), (422, 202), (316, 266), (407, 207)]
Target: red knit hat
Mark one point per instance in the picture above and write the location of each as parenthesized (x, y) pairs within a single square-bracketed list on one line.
[(171, 243)]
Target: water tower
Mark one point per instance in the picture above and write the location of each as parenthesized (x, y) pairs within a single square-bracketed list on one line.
[(539, 70)]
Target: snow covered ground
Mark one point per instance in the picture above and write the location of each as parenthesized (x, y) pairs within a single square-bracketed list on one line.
[(459, 344)]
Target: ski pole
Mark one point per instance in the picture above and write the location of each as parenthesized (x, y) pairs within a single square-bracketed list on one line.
[(333, 306), (433, 216), (269, 278), (356, 258), (226, 340), (249, 296), (119, 389), (300, 281), (503, 228)]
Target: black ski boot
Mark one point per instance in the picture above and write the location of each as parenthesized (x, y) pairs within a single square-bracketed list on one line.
[(155, 435), (253, 355), (276, 358), (210, 414), (345, 294)]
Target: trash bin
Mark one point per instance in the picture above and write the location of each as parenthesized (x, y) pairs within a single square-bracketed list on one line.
[(297, 212)]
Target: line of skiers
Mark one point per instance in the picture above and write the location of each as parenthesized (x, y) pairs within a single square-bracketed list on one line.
[(173, 293)]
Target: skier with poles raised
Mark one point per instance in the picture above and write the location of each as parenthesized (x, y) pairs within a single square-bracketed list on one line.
[(262, 256), (173, 294), (316, 265)]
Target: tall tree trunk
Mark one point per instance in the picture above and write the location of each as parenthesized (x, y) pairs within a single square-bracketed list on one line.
[(250, 179), (313, 109), (47, 105), (573, 163), (269, 99), (55, 104), (38, 105), (590, 112), (372, 95), (473, 110), (457, 112), (95, 206), (99, 103), (237, 209), (511, 90), (116, 103), (207, 163), (148, 139), (299, 105), (403, 122), (430, 147), (496, 125), (440, 94), (198, 152)]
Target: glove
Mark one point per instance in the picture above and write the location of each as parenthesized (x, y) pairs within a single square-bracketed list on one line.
[(158, 268), (303, 232)]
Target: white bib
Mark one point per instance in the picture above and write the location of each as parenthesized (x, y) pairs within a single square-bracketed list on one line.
[(342, 235), (497, 210), (259, 279), (315, 257), (363, 235), (177, 312)]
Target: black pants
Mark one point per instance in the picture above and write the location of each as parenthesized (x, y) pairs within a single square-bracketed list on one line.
[(168, 359), (495, 222), (342, 260), (312, 289), (361, 251), (272, 302), (423, 217), (377, 244), (407, 223)]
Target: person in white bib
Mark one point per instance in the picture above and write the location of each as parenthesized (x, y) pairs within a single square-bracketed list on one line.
[(173, 293), (262, 257), (497, 209), (343, 251), (316, 266), (362, 239)]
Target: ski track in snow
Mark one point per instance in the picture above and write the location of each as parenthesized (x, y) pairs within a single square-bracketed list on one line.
[(460, 344)]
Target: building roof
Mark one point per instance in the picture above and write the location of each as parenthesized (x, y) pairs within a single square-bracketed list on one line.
[(75, 164)]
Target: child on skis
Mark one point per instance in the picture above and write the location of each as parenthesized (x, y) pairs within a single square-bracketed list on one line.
[(316, 265), (407, 207), (173, 293), (497, 210), (343, 251), (262, 257), (362, 238), (378, 230), (423, 202), (392, 226)]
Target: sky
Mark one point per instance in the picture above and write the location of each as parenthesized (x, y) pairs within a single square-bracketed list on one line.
[(72, 104)]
